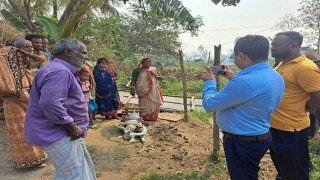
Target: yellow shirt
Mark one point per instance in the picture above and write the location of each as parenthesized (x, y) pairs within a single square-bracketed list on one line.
[(301, 76)]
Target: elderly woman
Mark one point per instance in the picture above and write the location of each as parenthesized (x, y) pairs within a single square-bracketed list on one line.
[(17, 76), (144, 83)]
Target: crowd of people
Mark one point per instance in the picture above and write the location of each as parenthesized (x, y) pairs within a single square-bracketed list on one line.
[(50, 102), (49, 106), (263, 109)]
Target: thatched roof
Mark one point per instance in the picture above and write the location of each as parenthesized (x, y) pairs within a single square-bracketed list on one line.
[(9, 34)]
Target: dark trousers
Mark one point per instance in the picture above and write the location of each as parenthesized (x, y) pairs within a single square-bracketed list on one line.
[(243, 157), (314, 117), (290, 153), (313, 125)]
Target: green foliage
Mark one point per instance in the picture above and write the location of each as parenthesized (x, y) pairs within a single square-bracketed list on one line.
[(201, 115), (216, 169), (173, 12), (14, 21), (123, 81), (54, 29), (51, 25), (152, 176), (72, 16), (173, 86), (113, 33), (315, 174), (226, 2), (81, 30), (314, 148)]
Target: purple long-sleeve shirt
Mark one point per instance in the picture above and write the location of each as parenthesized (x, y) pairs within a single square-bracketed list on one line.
[(56, 98)]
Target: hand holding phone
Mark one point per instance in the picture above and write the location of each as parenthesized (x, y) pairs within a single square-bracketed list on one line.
[(228, 73), (208, 75), (218, 70)]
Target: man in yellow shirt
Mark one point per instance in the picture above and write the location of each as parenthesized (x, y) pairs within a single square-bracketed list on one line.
[(290, 122)]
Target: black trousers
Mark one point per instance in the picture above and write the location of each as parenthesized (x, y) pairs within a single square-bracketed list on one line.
[(314, 117), (290, 153)]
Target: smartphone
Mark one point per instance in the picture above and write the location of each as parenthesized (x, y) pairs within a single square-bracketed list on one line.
[(217, 70)]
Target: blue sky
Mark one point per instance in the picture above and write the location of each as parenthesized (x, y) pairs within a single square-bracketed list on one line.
[(222, 25)]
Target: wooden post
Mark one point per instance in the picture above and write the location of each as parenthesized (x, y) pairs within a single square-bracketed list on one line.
[(128, 99), (192, 103), (209, 58), (184, 82), (217, 53)]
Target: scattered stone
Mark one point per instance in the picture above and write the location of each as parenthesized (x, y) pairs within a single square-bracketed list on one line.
[(185, 138)]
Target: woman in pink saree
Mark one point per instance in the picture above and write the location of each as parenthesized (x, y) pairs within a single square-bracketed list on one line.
[(144, 83)]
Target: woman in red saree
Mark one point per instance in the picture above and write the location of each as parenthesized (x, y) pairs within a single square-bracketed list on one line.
[(144, 83)]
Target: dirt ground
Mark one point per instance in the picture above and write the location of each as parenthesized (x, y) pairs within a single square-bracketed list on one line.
[(170, 148)]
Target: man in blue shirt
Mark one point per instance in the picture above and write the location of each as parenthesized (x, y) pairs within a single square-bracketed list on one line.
[(45, 44), (244, 106)]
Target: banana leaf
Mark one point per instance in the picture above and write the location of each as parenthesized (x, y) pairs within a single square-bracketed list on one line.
[(51, 25), (14, 21), (81, 30)]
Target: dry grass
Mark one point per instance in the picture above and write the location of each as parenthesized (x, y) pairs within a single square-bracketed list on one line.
[(9, 34)]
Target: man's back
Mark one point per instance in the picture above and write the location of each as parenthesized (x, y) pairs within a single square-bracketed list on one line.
[(255, 93)]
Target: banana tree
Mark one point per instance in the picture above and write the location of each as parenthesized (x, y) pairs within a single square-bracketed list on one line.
[(72, 16), (55, 29), (14, 21), (75, 11)]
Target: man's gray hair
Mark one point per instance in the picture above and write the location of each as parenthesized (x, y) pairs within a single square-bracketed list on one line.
[(19, 42), (67, 43)]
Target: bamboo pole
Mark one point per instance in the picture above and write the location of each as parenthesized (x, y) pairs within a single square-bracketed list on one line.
[(217, 53), (184, 81)]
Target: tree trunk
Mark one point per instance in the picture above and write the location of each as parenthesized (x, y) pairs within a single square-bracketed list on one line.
[(72, 16), (55, 8), (318, 43), (23, 15), (184, 81), (217, 53)]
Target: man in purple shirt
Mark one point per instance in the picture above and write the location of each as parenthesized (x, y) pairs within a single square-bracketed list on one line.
[(57, 115)]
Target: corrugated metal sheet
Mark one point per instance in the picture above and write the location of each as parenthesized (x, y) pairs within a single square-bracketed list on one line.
[(170, 103)]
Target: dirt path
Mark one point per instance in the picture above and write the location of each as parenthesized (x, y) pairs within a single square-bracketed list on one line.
[(170, 148), (7, 172)]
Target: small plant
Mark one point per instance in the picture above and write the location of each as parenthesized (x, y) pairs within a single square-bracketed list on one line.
[(152, 176), (200, 115), (314, 148)]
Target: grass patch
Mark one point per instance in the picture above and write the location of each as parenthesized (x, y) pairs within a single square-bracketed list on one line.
[(314, 148), (211, 170), (201, 115)]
